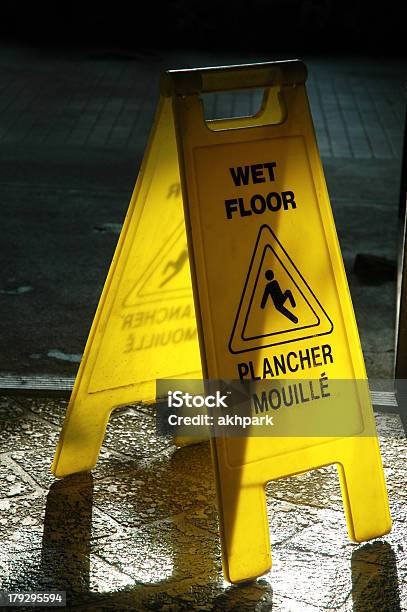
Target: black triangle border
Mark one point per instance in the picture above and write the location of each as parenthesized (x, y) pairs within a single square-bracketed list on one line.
[(264, 226)]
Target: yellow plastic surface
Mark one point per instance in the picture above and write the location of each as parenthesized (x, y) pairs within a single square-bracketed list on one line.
[(237, 234), (144, 327)]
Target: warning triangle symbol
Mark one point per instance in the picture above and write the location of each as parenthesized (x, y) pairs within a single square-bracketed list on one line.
[(277, 304), (167, 276)]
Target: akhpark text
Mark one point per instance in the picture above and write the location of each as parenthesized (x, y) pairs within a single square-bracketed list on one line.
[(254, 234)]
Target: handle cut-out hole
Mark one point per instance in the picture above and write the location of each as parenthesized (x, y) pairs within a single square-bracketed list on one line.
[(242, 108)]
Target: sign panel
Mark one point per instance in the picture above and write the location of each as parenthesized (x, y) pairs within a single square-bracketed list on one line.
[(144, 327), (271, 298)]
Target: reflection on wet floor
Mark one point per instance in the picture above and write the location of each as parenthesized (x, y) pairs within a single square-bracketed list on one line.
[(142, 531)]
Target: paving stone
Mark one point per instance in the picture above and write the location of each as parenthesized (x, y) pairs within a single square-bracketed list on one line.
[(290, 604), (318, 488), (286, 520), (51, 410), (325, 581), (301, 526), (62, 518), (9, 409), (22, 523), (151, 492), (13, 482), (197, 458), (81, 574), (36, 570), (133, 433), (38, 466), (375, 586), (205, 598), (165, 551), (26, 433)]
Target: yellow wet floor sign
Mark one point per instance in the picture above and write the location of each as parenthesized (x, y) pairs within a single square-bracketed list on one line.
[(271, 298), (270, 293)]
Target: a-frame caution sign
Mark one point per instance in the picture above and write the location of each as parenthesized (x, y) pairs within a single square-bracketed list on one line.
[(274, 286), (270, 301)]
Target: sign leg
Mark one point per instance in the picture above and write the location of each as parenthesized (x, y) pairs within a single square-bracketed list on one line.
[(364, 494), (81, 438), (244, 531)]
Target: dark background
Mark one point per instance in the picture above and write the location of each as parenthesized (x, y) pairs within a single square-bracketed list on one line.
[(78, 90), (294, 26)]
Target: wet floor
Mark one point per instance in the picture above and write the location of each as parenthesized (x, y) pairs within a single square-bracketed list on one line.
[(141, 532)]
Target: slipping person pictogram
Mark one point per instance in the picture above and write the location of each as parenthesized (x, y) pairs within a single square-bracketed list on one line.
[(273, 290), (176, 266)]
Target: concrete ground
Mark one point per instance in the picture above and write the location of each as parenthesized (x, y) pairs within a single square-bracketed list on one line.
[(141, 532)]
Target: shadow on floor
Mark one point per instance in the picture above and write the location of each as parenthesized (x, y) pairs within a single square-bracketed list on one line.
[(66, 553), (374, 578), (65, 562)]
